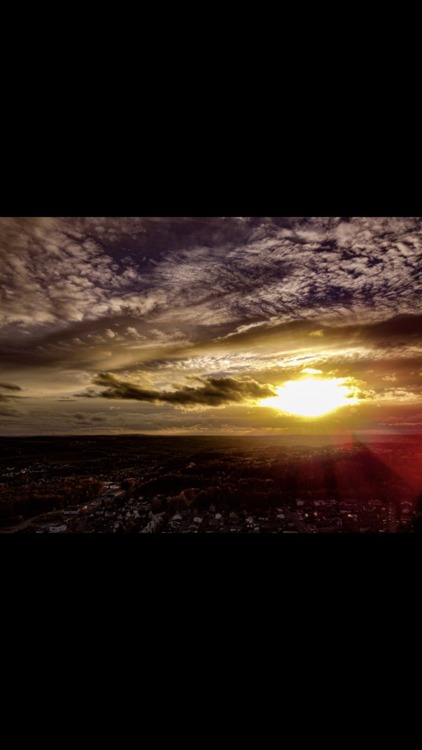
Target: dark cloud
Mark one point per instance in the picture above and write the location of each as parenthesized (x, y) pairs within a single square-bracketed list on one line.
[(212, 392), (396, 329), (10, 387)]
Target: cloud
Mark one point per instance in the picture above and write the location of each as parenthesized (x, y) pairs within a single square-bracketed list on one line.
[(87, 418), (8, 396), (212, 392), (9, 411), (234, 271), (10, 387), (317, 333), (252, 299)]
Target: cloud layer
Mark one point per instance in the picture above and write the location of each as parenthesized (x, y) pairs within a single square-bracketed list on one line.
[(58, 271), (238, 303)]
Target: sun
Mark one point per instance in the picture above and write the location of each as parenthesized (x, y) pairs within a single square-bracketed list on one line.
[(311, 397)]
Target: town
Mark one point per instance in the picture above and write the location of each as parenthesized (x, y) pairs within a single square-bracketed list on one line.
[(183, 485)]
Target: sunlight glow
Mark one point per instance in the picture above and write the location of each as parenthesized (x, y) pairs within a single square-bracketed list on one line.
[(312, 397)]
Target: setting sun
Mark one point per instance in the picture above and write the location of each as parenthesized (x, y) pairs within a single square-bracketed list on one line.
[(312, 397)]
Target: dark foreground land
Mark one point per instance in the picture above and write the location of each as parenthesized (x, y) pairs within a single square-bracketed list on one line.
[(145, 484)]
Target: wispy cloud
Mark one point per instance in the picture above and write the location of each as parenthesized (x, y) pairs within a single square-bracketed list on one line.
[(9, 411), (11, 391), (10, 387)]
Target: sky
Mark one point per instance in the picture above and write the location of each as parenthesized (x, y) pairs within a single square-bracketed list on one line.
[(187, 325)]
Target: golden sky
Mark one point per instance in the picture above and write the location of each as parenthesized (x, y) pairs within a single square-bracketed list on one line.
[(185, 325)]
